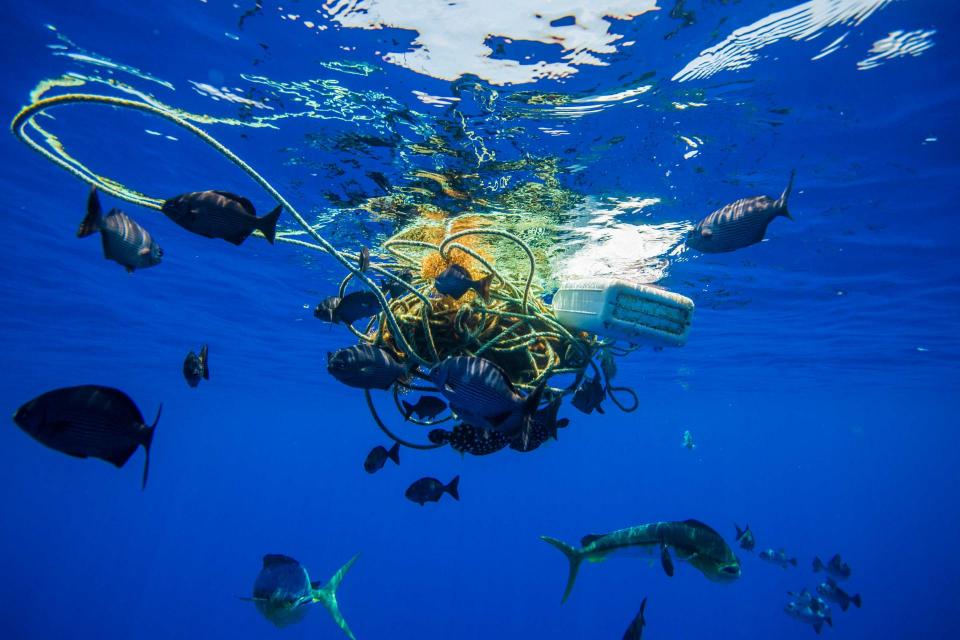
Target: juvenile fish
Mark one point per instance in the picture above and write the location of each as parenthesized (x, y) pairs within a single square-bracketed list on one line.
[(196, 367), (832, 592), (378, 457), (220, 214), (468, 439), (836, 568), (426, 408), (89, 421), (283, 591), (745, 537), (589, 395), (455, 281), (431, 490), (356, 305), (739, 224), (635, 630), (365, 366), (124, 240), (778, 557)]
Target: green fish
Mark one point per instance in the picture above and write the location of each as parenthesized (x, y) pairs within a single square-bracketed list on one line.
[(691, 540)]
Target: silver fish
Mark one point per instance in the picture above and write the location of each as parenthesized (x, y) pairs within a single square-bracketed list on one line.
[(220, 214), (124, 240)]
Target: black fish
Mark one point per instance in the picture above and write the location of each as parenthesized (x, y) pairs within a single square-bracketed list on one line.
[(378, 457), (745, 537), (363, 261), (456, 281), (220, 214), (836, 567), (427, 408), (635, 630), (665, 561), (431, 490), (739, 224), (356, 305), (778, 557), (543, 425), (365, 366), (393, 288), (380, 180), (196, 367), (832, 591), (327, 309), (589, 395), (124, 240), (89, 421), (468, 439)]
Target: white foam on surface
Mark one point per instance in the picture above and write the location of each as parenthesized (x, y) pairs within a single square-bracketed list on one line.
[(897, 45)]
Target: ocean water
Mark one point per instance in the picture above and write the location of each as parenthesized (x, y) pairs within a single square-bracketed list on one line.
[(819, 380)]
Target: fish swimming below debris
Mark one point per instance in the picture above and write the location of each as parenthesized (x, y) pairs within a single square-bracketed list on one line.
[(739, 224), (588, 396), (690, 540), (745, 537), (836, 568), (688, 442), (283, 591), (365, 366), (469, 439), (831, 591), (124, 241), (809, 609), (427, 490), (196, 367), (778, 557), (543, 426), (220, 214), (455, 281), (89, 421), (426, 408), (378, 457), (635, 630)]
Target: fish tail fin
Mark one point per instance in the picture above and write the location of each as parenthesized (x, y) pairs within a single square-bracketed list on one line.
[(782, 202), (407, 409), (147, 441), (454, 488), (328, 596), (91, 221), (268, 223), (204, 366), (855, 599), (817, 564), (483, 286), (394, 453), (575, 558)]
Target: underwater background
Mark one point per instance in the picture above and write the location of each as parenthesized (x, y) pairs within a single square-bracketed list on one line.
[(820, 379)]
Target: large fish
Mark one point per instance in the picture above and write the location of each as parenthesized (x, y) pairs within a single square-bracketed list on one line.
[(124, 240), (283, 591), (365, 366), (89, 421), (739, 224), (690, 540), (220, 214)]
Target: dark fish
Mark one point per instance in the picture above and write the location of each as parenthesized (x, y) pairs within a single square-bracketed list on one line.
[(395, 289), (363, 261), (380, 180), (327, 309), (426, 408), (89, 421), (745, 537), (739, 224), (365, 366), (220, 214), (778, 557), (283, 590), (196, 367), (431, 490), (809, 609), (124, 240), (378, 457), (543, 425), (635, 630), (589, 395), (456, 281), (837, 568), (468, 439), (356, 305), (832, 591)]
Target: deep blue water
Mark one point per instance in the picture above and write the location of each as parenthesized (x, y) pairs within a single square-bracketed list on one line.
[(819, 381)]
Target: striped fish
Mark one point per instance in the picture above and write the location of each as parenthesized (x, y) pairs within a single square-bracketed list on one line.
[(124, 240), (220, 214), (739, 224), (89, 421)]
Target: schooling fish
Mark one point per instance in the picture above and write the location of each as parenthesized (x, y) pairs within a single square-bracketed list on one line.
[(635, 630), (220, 214), (365, 366), (832, 591), (745, 537), (196, 367), (456, 281), (837, 568), (468, 439), (809, 609), (691, 540), (426, 408), (739, 224), (327, 309), (431, 490), (589, 395), (124, 240), (778, 557), (378, 457), (283, 590), (356, 305), (89, 421)]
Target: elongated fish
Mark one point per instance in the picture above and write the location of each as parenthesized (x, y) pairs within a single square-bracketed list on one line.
[(124, 241), (739, 224), (690, 540), (283, 591), (220, 214)]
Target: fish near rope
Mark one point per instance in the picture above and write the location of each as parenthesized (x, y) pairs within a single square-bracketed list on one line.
[(365, 366), (220, 214), (455, 281), (739, 224), (124, 240)]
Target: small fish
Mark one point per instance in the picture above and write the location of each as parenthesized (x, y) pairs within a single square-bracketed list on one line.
[(745, 537), (426, 408), (431, 490), (326, 310), (363, 261), (124, 241), (635, 630), (365, 366), (355, 306), (378, 457), (196, 367), (836, 568), (456, 281), (832, 592), (220, 214), (739, 224), (778, 557), (469, 439), (543, 426), (809, 609), (380, 180), (589, 395), (283, 590), (688, 440), (393, 288), (89, 421)]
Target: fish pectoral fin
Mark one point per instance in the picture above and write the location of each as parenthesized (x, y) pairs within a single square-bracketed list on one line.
[(144, 251), (665, 560), (706, 234)]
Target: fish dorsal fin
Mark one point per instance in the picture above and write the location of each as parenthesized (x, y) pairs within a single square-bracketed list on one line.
[(506, 377), (276, 559), (590, 537), (243, 202), (699, 525)]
